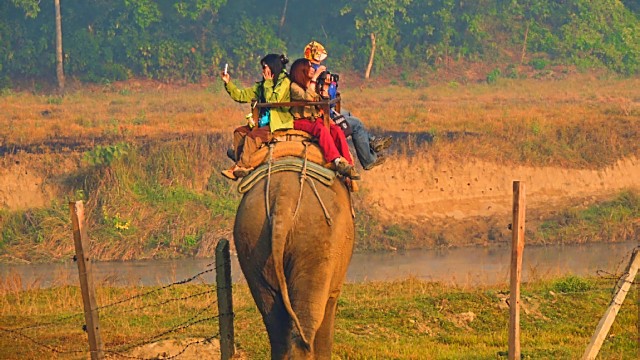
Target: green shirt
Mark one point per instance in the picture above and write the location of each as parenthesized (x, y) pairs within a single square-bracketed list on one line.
[(281, 118)]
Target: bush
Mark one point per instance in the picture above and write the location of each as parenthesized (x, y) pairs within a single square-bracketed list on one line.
[(539, 64), (493, 76), (105, 155), (572, 284)]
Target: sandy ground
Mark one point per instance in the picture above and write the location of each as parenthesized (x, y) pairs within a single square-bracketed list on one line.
[(188, 349)]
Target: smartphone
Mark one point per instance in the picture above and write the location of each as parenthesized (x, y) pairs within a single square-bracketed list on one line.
[(226, 68)]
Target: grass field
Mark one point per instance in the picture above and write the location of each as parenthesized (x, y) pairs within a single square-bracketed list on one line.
[(409, 319)]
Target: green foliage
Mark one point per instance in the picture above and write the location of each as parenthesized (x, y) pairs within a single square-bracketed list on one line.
[(105, 155), (32, 226), (538, 64), (610, 220), (493, 76), (54, 100), (189, 39), (115, 222), (31, 7), (572, 284)]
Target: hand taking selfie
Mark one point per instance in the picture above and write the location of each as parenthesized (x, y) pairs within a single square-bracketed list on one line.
[(225, 77)]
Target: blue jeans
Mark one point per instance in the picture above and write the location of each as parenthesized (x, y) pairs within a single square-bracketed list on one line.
[(361, 139)]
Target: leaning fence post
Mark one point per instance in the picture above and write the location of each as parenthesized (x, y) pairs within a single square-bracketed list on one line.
[(225, 301), (517, 247), (610, 315), (86, 279)]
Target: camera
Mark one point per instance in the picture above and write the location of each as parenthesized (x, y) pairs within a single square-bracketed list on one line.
[(327, 85), (327, 77)]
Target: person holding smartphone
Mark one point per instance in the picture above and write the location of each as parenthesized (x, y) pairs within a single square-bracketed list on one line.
[(274, 87)]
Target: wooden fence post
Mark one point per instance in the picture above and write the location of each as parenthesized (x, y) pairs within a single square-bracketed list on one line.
[(225, 300), (609, 316), (86, 279), (517, 248)]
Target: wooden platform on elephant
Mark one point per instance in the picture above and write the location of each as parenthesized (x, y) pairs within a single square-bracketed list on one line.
[(291, 143), (298, 144)]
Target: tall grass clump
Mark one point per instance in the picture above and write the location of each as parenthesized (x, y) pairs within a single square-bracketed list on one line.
[(154, 200), (37, 234), (160, 201), (615, 220)]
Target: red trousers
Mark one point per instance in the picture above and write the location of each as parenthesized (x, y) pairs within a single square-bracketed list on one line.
[(332, 141)]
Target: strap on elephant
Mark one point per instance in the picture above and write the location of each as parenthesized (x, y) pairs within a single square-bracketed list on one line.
[(303, 177)]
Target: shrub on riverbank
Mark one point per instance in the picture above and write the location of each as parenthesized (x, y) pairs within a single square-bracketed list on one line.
[(409, 319)]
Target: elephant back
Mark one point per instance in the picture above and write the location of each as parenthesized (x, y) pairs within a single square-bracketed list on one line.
[(291, 150)]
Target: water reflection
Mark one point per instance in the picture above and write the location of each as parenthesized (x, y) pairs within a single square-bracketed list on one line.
[(462, 267)]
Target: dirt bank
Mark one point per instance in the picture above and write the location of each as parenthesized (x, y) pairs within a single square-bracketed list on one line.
[(421, 189), (409, 190)]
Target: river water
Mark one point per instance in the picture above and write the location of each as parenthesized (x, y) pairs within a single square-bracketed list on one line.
[(460, 267)]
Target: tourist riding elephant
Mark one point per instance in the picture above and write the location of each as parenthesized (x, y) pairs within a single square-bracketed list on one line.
[(295, 262)]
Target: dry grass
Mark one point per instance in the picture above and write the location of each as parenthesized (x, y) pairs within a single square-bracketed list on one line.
[(579, 121)]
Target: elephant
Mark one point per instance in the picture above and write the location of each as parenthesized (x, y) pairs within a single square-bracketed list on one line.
[(295, 259)]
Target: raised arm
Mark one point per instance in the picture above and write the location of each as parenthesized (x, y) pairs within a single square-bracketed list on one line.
[(244, 95)]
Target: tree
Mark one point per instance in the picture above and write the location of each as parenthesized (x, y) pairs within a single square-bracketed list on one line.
[(376, 20), (31, 7), (59, 64)]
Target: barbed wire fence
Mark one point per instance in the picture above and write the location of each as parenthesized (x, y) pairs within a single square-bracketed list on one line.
[(205, 318), (218, 310)]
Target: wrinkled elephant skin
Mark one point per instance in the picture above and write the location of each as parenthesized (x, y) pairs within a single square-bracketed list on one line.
[(295, 268)]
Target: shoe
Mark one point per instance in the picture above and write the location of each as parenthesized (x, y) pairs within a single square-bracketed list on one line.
[(380, 143), (379, 160), (231, 154), (345, 169), (228, 173), (240, 171)]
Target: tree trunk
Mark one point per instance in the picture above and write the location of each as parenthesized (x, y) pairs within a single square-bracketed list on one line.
[(59, 64), (283, 17), (524, 43), (373, 51)]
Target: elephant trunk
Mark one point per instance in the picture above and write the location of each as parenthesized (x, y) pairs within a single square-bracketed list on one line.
[(279, 232)]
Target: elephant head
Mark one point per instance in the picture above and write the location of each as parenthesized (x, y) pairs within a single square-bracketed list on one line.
[(294, 248)]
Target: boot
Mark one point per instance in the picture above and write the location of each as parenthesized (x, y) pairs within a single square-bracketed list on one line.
[(240, 171), (228, 173), (345, 169), (231, 154), (380, 143), (379, 160)]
